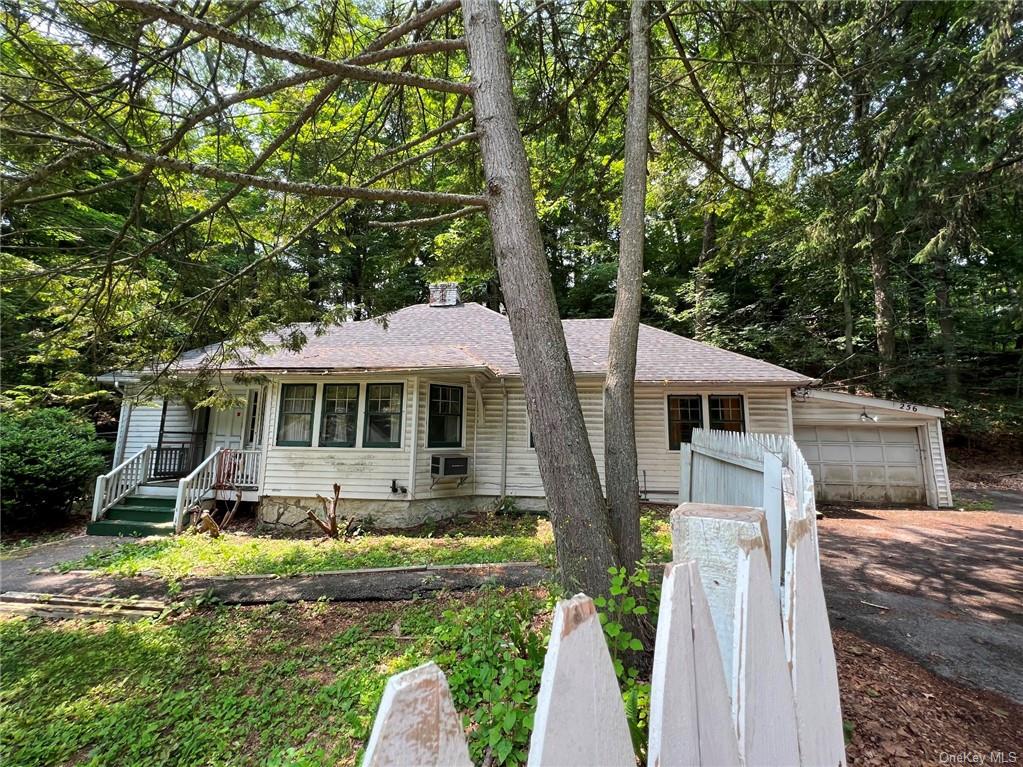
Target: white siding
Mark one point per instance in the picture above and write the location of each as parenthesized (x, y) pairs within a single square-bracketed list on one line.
[(143, 427), (766, 411), (361, 472)]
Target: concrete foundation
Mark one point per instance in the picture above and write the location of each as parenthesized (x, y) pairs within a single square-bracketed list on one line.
[(290, 512)]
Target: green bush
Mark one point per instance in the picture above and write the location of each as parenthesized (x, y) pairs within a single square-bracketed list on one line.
[(48, 460)]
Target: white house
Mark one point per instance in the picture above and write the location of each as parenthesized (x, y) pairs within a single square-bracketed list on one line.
[(421, 414)]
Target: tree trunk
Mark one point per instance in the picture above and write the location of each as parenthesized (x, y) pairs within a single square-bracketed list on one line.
[(946, 326), (884, 314), (708, 248), (582, 535), (621, 464)]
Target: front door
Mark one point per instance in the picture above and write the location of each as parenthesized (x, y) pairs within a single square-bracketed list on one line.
[(226, 428)]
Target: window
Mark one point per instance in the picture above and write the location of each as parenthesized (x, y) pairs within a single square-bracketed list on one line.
[(340, 414), (252, 435), (445, 423), (726, 412), (684, 415), (383, 416), (296, 423)]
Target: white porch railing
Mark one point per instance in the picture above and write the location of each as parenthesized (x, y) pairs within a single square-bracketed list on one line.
[(224, 469), (196, 487), (740, 676), (121, 481)]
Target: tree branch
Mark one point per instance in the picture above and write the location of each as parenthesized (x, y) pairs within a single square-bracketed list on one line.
[(309, 61), (422, 156), (425, 221)]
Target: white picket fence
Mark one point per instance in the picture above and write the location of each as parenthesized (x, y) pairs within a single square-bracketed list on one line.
[(744, 669)]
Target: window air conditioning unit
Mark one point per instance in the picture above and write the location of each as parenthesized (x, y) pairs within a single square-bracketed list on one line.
[(442, 466)]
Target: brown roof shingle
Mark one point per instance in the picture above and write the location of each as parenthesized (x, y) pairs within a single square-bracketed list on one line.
[(474, 337)]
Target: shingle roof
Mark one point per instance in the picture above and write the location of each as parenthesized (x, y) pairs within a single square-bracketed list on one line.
[(472, 336)]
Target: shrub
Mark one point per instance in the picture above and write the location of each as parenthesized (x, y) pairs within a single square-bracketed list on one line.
[(48, 460)]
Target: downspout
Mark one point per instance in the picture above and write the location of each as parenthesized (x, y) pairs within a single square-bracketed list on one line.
[(415, 440), (479, 412), (123, 424), (504, 438)]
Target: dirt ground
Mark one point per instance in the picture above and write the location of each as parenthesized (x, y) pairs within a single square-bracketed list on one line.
[(901, 714)]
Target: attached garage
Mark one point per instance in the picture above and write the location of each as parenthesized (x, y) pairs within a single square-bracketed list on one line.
[(872, 450)]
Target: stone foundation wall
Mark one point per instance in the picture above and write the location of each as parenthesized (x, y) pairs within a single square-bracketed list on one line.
[(290, 512)]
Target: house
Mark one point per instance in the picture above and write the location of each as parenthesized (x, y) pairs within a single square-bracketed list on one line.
[(421, 414)]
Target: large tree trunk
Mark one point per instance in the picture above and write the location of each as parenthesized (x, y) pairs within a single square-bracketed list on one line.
[(621, 464), (946, 326), (578, 510)]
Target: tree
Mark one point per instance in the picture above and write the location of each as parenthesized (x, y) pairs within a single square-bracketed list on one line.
[(574, 496), (621, 463)]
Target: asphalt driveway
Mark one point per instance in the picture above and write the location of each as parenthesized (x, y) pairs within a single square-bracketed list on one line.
[(944, 587)]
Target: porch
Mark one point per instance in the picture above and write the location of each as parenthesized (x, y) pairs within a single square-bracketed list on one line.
[(136, 499)]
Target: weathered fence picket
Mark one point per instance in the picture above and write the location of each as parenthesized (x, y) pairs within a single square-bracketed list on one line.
[(580, 718), (417, 723), (690, 707), (744, 669)]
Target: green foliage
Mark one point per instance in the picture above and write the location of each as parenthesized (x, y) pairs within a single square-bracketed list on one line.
[(523, 538), (271, 685), (627, 603), (48, 460), (494, 662)]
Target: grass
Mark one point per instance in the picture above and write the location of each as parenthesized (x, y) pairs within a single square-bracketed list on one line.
[(482, 540), (273, 685)]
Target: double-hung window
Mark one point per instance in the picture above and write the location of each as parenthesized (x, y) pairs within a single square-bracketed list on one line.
[(726, 412), (340, 415), (445, 421), (383, 416), (295, 426), (685, 413)]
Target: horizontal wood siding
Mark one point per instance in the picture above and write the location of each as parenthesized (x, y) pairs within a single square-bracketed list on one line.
[(304, 472), (768, 410), (144, 424)]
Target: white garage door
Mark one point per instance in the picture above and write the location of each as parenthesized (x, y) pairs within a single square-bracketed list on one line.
[(864, 463)]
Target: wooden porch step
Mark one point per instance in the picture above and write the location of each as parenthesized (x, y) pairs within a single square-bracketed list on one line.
[(129, 528), (132, 513), (149, 501)]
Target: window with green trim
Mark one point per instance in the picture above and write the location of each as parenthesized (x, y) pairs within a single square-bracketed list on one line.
[(726, 412), (339, 419), (444, 426), (295, 425), (383, 415), (685, 413)]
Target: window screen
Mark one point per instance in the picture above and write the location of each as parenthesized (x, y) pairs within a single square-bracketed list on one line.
[(726, 412), (296, 422), (445, 424), (339, 420), (383, 416)]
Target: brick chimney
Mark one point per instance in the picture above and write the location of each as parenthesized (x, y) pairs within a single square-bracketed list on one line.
[(444, 294)]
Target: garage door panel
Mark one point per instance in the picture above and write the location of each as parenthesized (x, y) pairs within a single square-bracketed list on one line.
[(836, 453), (902, 454), (871, 463), (871, 475), (837, 474)]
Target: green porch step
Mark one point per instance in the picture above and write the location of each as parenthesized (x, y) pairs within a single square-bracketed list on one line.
[(136, 516), (129, 528), (133, 513), (156, 501)]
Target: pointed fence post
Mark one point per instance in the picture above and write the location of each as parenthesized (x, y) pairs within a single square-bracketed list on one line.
[(417, 723), (690, 712), (580, 718), (729, 544)]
